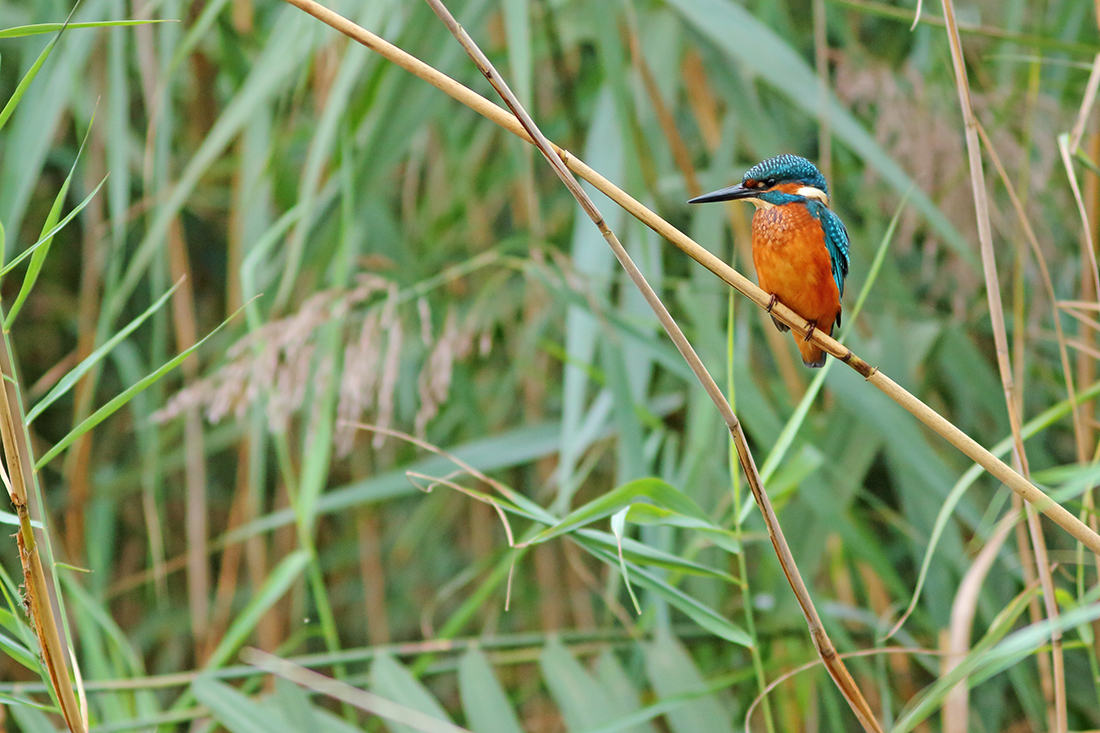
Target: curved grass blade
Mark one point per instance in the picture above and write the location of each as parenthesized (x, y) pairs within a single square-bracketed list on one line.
[(32, 72), (649, 490), (40, 253), (36, 29), (618, 526), (703, 615), (49, 235), (649, 514)]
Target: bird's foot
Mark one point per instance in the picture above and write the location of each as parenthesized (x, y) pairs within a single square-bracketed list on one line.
[(810, 331), (771, 302)]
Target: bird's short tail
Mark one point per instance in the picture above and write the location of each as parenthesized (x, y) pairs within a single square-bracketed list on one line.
[(812, 355)]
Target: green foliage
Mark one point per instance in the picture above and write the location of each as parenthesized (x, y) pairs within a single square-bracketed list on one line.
[(445, 399)]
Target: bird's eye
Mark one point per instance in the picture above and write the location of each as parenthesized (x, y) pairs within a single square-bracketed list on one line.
[(770, 182)]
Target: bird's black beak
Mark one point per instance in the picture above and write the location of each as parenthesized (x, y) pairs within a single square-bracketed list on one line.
[(726, 194)]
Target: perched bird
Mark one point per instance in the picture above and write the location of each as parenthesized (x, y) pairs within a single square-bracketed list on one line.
[(799, 246)]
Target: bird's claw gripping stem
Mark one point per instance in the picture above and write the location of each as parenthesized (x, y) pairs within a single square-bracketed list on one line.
[(771, 302), (810, 332)]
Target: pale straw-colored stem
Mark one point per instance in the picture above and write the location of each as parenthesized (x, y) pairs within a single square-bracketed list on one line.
[(36, 597), (967, 445), (363, 699), (821, 639), (1068, 147), (822, 642), (1000, 340)]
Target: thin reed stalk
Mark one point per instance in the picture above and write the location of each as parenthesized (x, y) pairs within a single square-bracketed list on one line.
[(1059, 720), (1068, 146), (941, 425), (822, 642), (22, 480)]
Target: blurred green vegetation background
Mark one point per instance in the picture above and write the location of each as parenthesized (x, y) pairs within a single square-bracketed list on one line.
[(396, 261)]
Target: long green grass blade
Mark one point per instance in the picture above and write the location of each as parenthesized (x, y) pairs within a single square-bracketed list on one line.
[(114, 404), (66, 383), (40, 28), (990, 658), (20, 90), (276, 584), (40, 253), (650, 490), (45, 238)]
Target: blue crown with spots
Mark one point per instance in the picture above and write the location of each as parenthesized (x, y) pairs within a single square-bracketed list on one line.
[(785, 169)]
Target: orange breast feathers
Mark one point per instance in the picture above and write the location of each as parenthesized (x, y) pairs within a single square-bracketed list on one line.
[(792, 263)]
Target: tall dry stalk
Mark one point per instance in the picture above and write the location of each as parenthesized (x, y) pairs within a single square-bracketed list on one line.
[(1058, 718), (37, 596), (824, 645)]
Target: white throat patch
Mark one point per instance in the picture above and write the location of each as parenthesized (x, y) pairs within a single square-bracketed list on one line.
[(812, 192)]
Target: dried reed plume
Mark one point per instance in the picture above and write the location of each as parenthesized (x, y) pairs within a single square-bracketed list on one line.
[(277, 365)]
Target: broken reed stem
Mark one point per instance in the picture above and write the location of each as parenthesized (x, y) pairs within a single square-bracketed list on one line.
[(822, 642), (36, 599), (1000, 339), (963, 442)]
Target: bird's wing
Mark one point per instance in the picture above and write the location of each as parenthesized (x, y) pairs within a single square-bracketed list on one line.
[(836, 241)]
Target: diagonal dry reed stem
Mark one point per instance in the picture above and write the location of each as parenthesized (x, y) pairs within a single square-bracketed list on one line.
[(367, 701), (847, 655), (822, 642), (1079, 426), (1000, 339), (963, 442)]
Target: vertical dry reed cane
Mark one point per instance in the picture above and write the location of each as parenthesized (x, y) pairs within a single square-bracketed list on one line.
[(822, 643), (36, 599), (1000, 338)]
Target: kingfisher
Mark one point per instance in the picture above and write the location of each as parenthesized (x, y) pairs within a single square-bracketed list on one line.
[(799, 246)]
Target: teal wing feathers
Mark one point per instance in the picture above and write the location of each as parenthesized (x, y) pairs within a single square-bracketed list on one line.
[(836, 241)]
